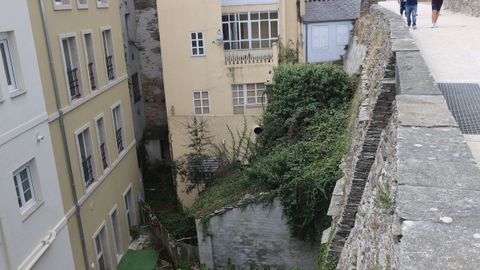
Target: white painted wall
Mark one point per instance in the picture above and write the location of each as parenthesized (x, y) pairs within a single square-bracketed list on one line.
[(127, 9), (23, 118), (327, 41)]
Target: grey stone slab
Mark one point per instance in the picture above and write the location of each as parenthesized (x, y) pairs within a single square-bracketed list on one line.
[(413, 75), (432, 144), (439, 246), (398, 34), (424, 111), (406, 44), (429, 203)]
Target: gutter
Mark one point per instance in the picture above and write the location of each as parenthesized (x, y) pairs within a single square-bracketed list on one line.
[(63, 134)]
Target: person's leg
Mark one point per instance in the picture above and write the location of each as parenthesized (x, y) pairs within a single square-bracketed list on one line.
[(414, 17), (408, 12)]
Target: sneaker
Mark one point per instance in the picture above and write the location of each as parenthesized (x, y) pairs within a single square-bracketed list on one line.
[(414, 27), (434, 25)]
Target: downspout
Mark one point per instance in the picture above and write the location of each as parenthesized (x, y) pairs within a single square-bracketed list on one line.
[(63, 134)]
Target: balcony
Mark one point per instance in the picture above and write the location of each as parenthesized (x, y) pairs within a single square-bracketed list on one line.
[(73, 83), (252, 56)]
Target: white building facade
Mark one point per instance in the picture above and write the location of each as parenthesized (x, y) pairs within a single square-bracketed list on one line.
[(33, 231)]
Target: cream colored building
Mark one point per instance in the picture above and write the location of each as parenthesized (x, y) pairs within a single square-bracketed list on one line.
[(82, 67), (218, 56)]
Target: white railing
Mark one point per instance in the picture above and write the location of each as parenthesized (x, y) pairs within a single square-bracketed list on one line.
[(253, 56)]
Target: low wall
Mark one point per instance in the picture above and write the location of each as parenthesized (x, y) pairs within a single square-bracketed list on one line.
[(469, 7), (416, 205), (257, 234)]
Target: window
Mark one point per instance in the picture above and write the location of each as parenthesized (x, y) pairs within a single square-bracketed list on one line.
[(108, 52), (343, 34), (117, 236), (118, 126), (137, 95), (101, 250), (7, 64), (62, 4), (23, 181), (91, 63), (82, 4), (201, 102), (252, 94), (250, 30), (72, 63), (86, 157), (197, 44), (102, 142), (129, 208), (102, 3)]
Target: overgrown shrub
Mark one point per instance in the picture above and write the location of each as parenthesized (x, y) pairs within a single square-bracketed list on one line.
[(297, 94)]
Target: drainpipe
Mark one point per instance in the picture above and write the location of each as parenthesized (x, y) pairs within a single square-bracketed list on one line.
[(63, 134)]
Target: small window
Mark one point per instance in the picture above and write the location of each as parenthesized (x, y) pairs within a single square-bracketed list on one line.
[(137, 95), (7, 63), (108, 53), (201, 102), (82, 4), (87, 163), (23, 181), (72, 64), (102, 3), (252, 94), (198, 48), (91, 62), (118, 126), (129, 209), (102, 142), (117, 235), (62, 4), (102, 250)]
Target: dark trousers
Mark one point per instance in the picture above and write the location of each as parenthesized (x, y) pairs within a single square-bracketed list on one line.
[(402, 7)]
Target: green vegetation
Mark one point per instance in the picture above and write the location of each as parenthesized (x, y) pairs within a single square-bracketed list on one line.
[(144, 259), (383, 199), (298, 154)]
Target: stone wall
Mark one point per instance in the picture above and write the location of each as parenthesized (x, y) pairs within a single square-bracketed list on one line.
[(417, 206), (469, 7), (253, 234)]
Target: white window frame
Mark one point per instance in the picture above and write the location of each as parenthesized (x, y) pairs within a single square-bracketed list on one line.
[(88, 128), (114, 123), (105, 252), (242, 91), (73, 58), (102, 4), (197, 47), (8, 63), (106, 51), (340, 39), (88, 60), (202, 107), (82, 6), (249, 21), (64, 5), (117, 239), (99, 141), (25, 205), (130, 214)]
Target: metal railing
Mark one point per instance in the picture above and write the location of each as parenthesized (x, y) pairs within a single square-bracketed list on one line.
[(88, 170), (110, 72), (119, 137), (245, 57), (103, 153), (91, 74), (73, 83)]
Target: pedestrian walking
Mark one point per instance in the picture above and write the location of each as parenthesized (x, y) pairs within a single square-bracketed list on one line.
[(411, 12), (436, 6), (402, 6)]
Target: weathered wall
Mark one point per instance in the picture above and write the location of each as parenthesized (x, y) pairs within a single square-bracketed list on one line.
[(414, 206), (256, 234), (469, 7)]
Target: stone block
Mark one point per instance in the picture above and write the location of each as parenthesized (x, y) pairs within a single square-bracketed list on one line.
[(413, 75), (424, 111), (406, 44)]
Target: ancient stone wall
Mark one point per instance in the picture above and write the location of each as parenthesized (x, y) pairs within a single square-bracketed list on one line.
[(469, 7), (413, 205)]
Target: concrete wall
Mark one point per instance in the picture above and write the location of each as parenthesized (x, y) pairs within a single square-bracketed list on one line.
[(23, 119), (469, 7), (256, 234)]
